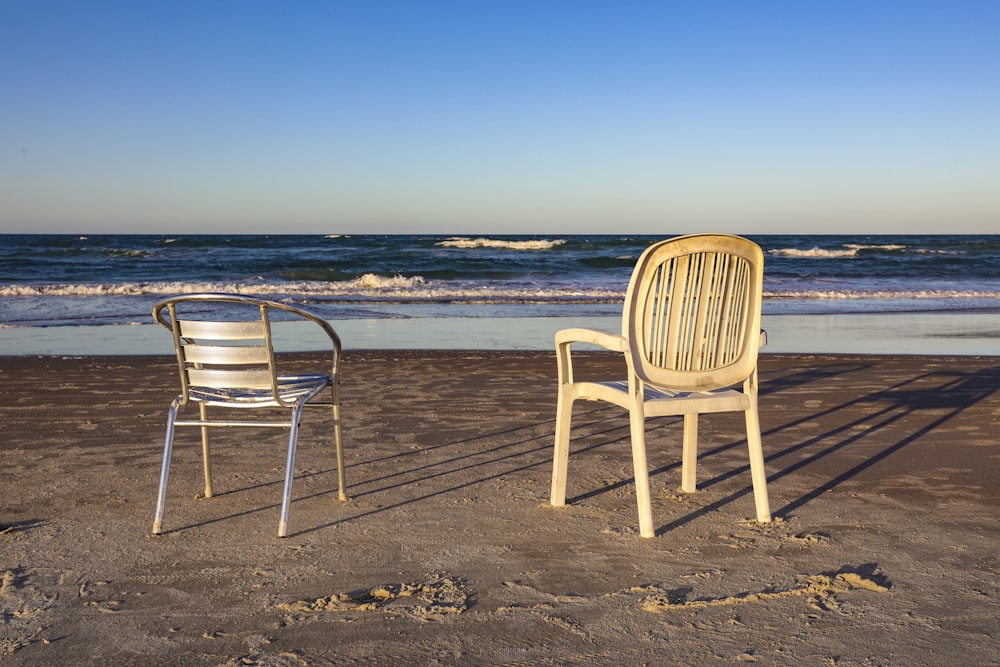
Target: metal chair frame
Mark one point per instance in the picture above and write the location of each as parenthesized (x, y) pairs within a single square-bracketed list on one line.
[(230, 363)]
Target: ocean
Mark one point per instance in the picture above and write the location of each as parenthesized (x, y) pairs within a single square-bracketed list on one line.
[(936, 294)]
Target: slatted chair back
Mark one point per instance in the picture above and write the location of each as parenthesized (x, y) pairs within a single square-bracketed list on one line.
[(692, 312), (225, 355)]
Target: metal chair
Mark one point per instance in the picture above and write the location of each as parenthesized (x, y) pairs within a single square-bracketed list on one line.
[(690, 332), (226, 359)]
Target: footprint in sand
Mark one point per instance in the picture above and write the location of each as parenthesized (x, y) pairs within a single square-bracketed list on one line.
[(432, 598), (821, 589)]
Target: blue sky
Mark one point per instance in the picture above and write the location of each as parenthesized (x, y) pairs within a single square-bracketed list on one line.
[(490, 116)]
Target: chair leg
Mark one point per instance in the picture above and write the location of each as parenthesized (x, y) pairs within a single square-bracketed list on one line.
[(560, 457), (339, 444), (758, 475), (640, 469), (286, 500), (206, 454), (689, 455), (161, 496)]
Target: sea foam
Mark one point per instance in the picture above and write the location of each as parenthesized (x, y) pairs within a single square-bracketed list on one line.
[(468, 243)]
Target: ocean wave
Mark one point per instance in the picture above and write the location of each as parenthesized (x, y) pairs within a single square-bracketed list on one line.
[(372, 281), (881, 294), (368, 287), (414, 288), (127, 253), (853, 250), (466, 243), (817, 253), (365, 285), (885, 246)]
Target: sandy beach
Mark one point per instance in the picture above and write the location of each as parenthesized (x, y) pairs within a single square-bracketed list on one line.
[(882, 477)]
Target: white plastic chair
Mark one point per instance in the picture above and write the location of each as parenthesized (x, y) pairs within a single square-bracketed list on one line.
[(226, 359), (690, 337)]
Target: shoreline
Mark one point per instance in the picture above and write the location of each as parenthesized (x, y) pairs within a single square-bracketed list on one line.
[(964, 334), (881, 473)]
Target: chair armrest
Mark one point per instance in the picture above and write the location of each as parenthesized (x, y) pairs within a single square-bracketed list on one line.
[(566, 337), (605, 339)]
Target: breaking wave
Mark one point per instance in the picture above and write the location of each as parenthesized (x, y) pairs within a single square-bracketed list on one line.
[(469, 244)]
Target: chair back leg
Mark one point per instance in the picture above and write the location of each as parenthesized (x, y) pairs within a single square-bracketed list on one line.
[(339, 444), (206, 454), (689, 454)]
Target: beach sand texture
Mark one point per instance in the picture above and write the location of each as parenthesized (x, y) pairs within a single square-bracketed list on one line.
[(882, 477)]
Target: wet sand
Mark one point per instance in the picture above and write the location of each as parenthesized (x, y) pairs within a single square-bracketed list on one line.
[(882, 477)]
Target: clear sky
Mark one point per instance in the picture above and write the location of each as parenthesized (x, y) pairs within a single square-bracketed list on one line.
[(500, 116)]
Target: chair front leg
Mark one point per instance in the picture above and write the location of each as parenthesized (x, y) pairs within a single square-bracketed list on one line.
[(161, 496), (560, 456), (286, 500), (640, 469)]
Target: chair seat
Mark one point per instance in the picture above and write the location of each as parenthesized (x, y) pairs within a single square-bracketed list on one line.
[(290, 387), (662, 402)]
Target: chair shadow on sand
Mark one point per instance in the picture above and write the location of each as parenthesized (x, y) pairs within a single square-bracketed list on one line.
[(954, 392), (521, 453), (528, 447)]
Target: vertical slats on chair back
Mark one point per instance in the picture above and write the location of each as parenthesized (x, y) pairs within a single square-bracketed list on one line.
[(693, 313), (226, 355), (697, 306)]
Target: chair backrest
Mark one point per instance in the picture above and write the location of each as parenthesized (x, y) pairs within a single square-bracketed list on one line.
[(692, 312), (223, 341)]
